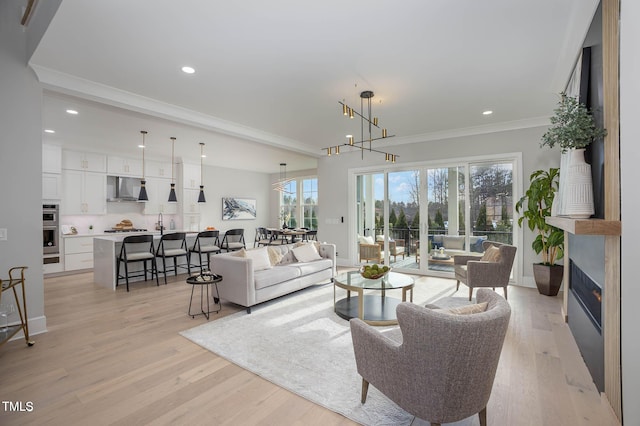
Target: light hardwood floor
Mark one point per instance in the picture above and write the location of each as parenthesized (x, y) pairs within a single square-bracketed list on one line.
[(116, 358)]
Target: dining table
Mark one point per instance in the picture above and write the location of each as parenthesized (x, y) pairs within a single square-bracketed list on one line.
[(287, 235)]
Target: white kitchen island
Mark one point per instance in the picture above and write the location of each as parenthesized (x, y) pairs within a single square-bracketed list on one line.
[(105, 256)]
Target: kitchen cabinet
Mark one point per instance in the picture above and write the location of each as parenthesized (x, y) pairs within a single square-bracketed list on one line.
[(120, 166), (78, 253), (51, 186), (83, 192), (85, 161), (51, 159), (160, 169), (158, 192), (191, 176), (190, 203)]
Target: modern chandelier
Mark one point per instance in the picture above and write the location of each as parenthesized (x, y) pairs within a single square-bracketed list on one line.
[(367, 125), (281, 184)]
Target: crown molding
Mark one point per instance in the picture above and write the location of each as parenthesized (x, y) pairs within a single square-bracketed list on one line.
[(90, 90)]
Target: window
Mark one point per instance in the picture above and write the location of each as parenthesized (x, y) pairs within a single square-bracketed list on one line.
[(310, 203), (299, 203)]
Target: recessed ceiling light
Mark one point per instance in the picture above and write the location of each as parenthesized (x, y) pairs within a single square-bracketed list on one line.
[(488, 112), (72, 112), (49, 131), (188, 70)]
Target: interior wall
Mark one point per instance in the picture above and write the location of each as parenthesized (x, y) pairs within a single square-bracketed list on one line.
[(333, 178), (630, 206), (20, 163)]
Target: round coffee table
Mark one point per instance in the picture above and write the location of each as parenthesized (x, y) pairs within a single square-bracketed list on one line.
[(374, 309)]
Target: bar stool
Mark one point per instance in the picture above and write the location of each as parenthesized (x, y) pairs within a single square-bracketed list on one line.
[(173, 246), (233, 240), (137, 248), (207, 242)]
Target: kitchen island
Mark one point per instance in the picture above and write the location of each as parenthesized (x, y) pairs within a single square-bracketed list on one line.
[(106, 250)]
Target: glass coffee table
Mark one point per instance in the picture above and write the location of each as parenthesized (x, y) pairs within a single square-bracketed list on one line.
[(375, 307)]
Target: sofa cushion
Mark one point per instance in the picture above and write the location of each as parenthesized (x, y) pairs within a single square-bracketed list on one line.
[(307, 268), (454, 242), (365, 240), (260, 258), (306, 253), (275, 275)]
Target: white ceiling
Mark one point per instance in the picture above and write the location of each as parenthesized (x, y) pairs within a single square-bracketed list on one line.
[(270, 74)]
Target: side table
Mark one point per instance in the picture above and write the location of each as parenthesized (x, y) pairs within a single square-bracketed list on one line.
[(204, 280)]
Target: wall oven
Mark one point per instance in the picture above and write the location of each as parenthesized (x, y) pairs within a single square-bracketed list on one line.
[(50, 230)]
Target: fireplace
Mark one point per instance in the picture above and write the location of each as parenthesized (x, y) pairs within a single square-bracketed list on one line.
[(585, 320)]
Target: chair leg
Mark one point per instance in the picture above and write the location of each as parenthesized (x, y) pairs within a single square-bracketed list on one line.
[(470, 293), (126, 273), (144, 266), (483, 416), (505, 292), (154, 266), (117, 271), (457, 284), (175, 266), (164, 269), (365, 389)]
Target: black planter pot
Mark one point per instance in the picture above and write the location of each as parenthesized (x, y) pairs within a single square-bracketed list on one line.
[(548, 278)]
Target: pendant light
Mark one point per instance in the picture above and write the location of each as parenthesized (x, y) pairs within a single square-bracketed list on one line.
[(201, 198), (172, 192), (143, 190)]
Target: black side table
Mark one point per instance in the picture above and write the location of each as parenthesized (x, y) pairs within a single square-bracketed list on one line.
[(204, 280)]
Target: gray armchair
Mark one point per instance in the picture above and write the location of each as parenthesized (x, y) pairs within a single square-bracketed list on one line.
[(476, 272), (437, 366)]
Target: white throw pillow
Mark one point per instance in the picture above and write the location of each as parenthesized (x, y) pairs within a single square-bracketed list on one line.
[(260, 258), (306, 253), (365, 240)]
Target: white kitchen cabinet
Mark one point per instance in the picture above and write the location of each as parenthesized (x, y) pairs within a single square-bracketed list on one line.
[(78, 253), (190, 176), (83, 192), (51, 186), (158, 193), (120, 166), (86, 161), (190, 203), (51, 159), (160, 169)]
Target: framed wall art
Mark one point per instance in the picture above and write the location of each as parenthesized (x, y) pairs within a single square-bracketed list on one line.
[(238, 208)]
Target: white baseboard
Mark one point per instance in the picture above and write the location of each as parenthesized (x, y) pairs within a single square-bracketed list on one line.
[(37, 325)]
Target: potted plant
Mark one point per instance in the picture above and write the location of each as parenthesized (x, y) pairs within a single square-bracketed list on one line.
[(535, 206), (573, 128)]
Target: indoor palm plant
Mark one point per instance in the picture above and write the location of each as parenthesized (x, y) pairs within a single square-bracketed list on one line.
[(535, 206)]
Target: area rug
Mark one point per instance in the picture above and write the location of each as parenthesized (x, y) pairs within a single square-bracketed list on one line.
[(299, 343)]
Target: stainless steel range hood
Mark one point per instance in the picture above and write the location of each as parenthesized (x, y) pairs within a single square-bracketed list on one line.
[(122, 188)]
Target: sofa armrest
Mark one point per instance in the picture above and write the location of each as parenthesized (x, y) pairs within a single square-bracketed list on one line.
[(328, 251), (237, 284)]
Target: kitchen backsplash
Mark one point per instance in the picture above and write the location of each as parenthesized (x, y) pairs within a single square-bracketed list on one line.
[(115, 213)]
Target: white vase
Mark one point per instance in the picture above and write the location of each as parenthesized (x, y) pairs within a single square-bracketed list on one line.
[(578, 196), (557, 207)]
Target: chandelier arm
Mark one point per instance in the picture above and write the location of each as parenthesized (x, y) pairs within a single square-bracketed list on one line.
[(361, 116)]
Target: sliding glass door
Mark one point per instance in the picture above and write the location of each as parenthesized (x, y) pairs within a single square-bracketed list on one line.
[(416, 220)]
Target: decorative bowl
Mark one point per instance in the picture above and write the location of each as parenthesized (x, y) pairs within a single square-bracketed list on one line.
[(374, 276)]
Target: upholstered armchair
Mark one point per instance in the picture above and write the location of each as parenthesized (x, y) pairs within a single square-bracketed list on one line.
[(437, 366), (396, 248), (493, 269)]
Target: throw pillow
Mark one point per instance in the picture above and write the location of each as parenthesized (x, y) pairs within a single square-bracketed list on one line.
[(491, 254), (366, 240), (275, 255), (469, 309), (239, 253), (306, 253), (260, 258)]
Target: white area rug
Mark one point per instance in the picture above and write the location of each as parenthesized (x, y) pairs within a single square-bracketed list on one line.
[(300, 344)]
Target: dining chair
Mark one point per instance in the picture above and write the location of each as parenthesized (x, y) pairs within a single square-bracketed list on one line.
[(136, 248), (173, 246), (207, 243)]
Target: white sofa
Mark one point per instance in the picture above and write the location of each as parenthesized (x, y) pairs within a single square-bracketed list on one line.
[(455, 244), (243, 285)]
